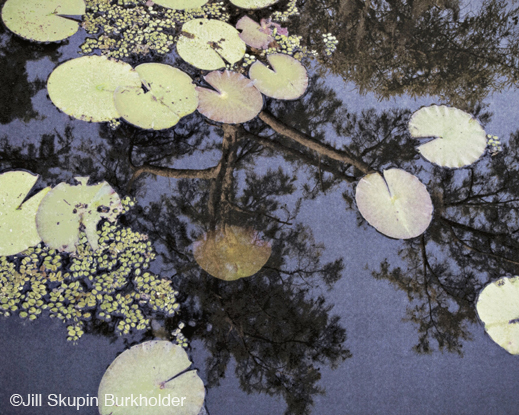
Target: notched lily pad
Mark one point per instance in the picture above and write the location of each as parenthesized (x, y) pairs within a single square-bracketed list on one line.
[(397, 205), (18, 219), (41, 20), (209, 44), (231, 252), (181, 4), (253, 34), (156, 371), (235, 100), (459, 140), (66, 210), (84, 87), (170, 95), (287, 80), (498, 309), (253, 4)]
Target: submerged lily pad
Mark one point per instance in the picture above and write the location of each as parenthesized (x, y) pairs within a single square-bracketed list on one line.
[(287, 80), (209, 44), (235, 100), (459, 139), (170, 95), (18, 221), (156, 371), (253, 4), (498, 308), (181, 4), (397, 205), (41, 20), (66, 210), (231, 252), (84, 87), (252, 33)]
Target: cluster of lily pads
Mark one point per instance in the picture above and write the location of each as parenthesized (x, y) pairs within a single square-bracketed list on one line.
[(54, 257)]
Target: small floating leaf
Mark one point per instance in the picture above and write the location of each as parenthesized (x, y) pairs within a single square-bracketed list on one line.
[(231, 252), (397, 205), (287, 80), (235, 100), (18, 221), (84, 87), (66, 210), (498, 308), (209, 44), (41, 20), (252, 34), (157, 371), (459, 138), (170, 95), (253, 4), (181, 4)]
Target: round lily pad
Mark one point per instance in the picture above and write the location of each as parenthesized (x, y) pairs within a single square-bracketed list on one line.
[(253, 4), (151, 378), (209, 44), (17, 219), (397, 205), (41, 20), (459, 139), (286, 80), (181, 4), (84, 87), (498, 308), (231, 252), (252, 34), (235, 100), (66, 210), (170, 94)]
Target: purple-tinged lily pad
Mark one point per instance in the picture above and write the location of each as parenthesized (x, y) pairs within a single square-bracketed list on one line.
[(253, 34)]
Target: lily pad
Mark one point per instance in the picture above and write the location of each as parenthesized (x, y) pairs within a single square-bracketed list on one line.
[(209, 44), (41, 20), (231, 252), (397, 205), (498, 308), (84, 87), (253, 4), (459, 139), (17, 219), (155, 375), (252, 33), (66, 210), (170, 95), (181, 4), (287, 80), (235, 100)]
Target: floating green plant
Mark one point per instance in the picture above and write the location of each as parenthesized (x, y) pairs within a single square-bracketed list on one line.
[(253, 4)]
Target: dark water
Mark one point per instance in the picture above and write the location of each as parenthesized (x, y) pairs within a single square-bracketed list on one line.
[(341, 320)]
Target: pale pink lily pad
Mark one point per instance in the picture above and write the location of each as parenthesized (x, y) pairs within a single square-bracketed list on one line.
[(235, 100), (397, 205), (286, 80), (252, 33)]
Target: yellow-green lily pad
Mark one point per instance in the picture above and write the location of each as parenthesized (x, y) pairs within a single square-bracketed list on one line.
[(209, 44), (397, 205), (231, 252), (155, 375), (235, 100), (170, 95), (18, 219), (181, 4), (459, 140), (287, 79), (498, 309), (84, 87), (253, 4), (67, 210), (41, 20)]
